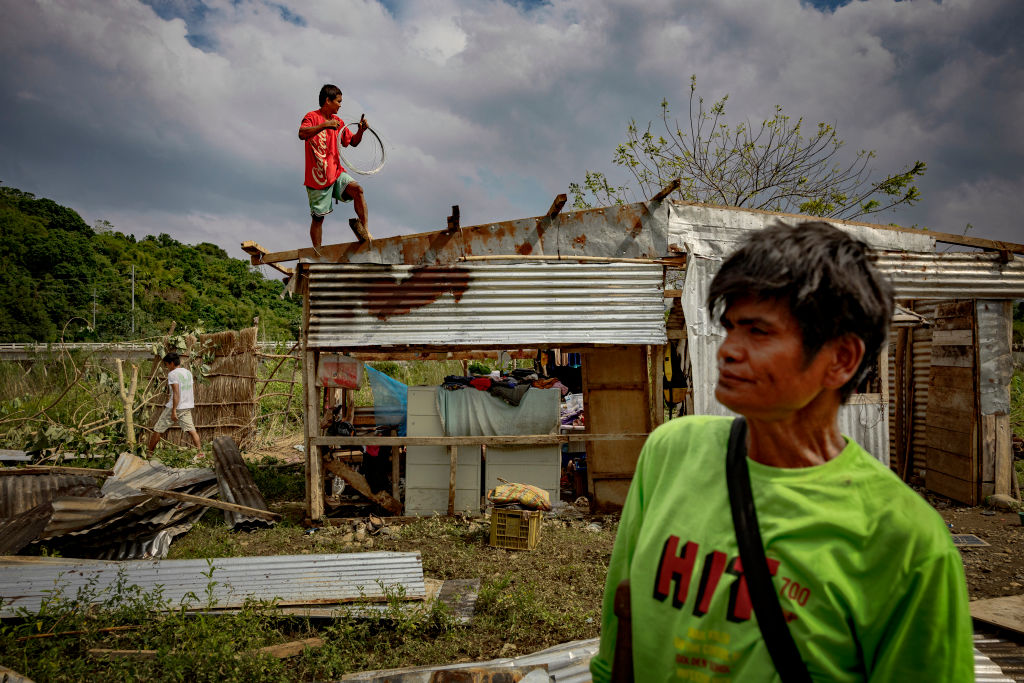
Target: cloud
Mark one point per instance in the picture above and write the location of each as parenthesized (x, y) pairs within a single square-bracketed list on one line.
[(181, 117)]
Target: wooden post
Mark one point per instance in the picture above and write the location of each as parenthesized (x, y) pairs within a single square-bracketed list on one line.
[(453, 462), (314, 461), (396, 468)]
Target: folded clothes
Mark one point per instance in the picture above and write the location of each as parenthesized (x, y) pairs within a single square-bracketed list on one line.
[(550, 383), (481, 383), (457, 379)]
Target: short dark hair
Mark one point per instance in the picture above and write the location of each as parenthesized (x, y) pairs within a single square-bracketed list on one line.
[(328, 92), (172, 358), (827, 278)]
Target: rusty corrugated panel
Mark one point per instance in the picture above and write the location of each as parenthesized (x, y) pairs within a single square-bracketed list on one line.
[(478, 304), (236, 485), (18, 531), (627, 231), (21, 492), (868, 425), (289, 579), (954, 275)]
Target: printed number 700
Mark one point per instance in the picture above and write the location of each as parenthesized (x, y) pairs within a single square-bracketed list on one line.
[(794, 591)]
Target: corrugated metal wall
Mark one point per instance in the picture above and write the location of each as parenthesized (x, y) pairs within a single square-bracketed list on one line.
[(546, 304)]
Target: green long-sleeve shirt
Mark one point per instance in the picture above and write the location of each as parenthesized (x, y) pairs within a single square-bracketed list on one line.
[(866, 570)]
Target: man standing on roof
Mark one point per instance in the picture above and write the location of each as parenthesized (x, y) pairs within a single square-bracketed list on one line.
[(325, 177), (180, 402)]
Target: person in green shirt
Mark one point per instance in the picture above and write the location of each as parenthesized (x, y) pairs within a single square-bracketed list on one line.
[(869, 581)]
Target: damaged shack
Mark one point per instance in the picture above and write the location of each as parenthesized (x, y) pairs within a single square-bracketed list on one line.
[(624, 288)]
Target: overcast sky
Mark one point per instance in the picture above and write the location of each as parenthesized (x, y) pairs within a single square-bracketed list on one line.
[(180, 116)]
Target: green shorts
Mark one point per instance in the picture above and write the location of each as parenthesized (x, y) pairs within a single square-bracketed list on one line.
[(320, 200)]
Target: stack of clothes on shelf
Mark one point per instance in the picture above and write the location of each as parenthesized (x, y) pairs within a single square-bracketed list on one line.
[(508, 387)]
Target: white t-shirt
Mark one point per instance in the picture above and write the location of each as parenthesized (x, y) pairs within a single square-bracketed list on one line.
[(183, 378)]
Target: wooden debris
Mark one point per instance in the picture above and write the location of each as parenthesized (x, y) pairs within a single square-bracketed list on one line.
[(1007, 612), (359, 483), (667, 190), (453, 220), (210, 502), (256, 253), (556, 206), (282, 651)]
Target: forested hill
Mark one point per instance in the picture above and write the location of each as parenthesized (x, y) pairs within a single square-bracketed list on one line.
[(54, 268)]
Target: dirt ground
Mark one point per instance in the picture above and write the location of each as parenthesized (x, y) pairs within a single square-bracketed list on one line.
[(994, 570)]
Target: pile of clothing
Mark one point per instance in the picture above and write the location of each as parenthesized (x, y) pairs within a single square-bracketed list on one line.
[(508, 387)]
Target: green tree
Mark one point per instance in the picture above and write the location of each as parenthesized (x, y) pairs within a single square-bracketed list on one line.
[(772, 167)]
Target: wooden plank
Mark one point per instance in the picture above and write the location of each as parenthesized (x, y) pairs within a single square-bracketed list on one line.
[(1006, 612), (951, 441), (556, 206), (953, 356), (958, 378), (1003, 456), (658, 398), (865, 399), (951, 487), (944, 398), (210, 503), (954, 464), (952, 337), (311, 423), (291, 649), (946, 418), (359, 483), (55, 469), (950, 309), (453, 462), (963, 321)]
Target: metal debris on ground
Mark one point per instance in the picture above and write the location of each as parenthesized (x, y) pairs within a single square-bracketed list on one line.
[(289, 580), (114, 521), (236, 485)]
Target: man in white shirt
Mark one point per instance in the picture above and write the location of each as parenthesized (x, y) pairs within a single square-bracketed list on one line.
[(179, 406)]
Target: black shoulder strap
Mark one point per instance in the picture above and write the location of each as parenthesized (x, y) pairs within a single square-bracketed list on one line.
[(765, 601)]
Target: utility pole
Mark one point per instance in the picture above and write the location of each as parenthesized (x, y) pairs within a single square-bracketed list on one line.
[(133, 300)]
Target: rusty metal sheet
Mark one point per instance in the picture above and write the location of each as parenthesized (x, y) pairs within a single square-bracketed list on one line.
[(289, 579), (485, 304), (18, 531), (22, 492), (236, 485), (628, 231), (954, 275)]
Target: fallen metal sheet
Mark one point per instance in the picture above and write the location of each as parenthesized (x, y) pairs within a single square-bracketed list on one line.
[(24, 492), (9, 455), (289, 580), (131, 473), (565, 663), (236, 485), (18, 531)]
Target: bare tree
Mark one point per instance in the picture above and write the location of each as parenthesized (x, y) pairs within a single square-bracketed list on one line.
[(772, 167)]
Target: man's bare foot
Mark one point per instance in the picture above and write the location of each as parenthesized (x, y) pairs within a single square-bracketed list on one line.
[(360, 230)]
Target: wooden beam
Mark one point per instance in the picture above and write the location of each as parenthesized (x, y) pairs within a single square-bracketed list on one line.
[(556, 206), (359, 483), (667, 190), (257, 252), (453, 220), (54, 469), (290, 649), (519, 440), (211, 503), (453, 464)]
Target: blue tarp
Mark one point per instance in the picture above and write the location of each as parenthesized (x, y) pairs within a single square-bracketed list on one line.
[(390, 399)]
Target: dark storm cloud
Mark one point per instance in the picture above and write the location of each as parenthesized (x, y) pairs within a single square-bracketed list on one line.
[(180, 116)]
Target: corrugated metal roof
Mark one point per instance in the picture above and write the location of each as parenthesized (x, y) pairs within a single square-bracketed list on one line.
[(236, 485), (290, 579), (954, 275), (18, 531), (21, 492), (476, 304)]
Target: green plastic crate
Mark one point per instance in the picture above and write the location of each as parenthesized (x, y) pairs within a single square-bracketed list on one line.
[(515, 529)]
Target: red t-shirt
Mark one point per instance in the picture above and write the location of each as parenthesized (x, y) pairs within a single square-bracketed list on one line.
[(323, 163)]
